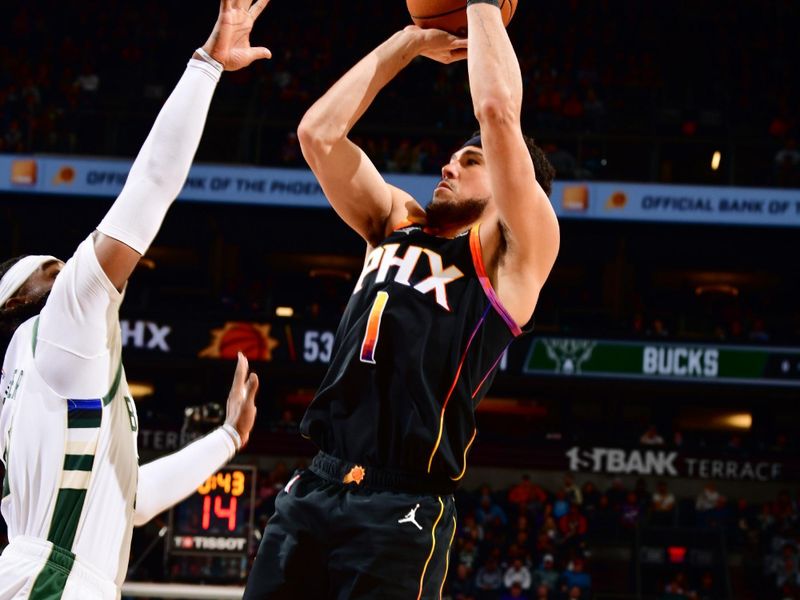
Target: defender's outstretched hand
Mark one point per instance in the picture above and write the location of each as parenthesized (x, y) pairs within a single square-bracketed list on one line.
[(439, 45), (229, 43), (241, 409)]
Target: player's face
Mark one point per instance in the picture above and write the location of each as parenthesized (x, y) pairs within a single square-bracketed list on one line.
[(38, 284), (464, 178)]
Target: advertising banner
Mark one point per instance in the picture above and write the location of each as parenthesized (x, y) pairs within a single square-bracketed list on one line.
[(71, 176), (674, 463), (572, 357)]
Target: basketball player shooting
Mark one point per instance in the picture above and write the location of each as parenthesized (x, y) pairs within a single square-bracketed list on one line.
[(73, 487), (442, 294)]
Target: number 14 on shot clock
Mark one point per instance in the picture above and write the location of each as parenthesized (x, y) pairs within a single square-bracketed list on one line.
[(218, 517)]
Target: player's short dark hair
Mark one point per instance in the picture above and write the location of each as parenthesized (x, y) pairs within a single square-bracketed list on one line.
[(545, 172)]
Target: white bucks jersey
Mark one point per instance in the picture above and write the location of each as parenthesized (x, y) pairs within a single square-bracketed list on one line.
[(71, 463)]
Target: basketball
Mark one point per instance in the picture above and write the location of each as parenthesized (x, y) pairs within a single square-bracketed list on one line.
[(450, 15)]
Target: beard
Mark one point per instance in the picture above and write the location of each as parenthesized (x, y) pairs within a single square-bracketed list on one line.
[(444, 214)]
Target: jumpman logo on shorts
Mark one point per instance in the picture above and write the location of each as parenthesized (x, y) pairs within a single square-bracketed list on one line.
[(411, 517)]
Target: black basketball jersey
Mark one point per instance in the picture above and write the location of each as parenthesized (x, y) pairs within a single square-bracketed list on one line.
[(415, 352)]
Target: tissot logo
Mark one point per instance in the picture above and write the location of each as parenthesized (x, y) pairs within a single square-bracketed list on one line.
[(204, 542), (383, 258)]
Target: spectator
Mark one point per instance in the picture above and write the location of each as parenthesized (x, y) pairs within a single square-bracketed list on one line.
[(573, 526), (651, 437), (629, 517), (663, 505), (468, 554), (571, 491), (560, 505), (515, 593), (287, 422), (574, 593), (517, 552), (523, 524), (745, 528), (517, 573), (488, 513), (546, 575), (707, 590), (787, 164), (462, 586), (527, 495), (709, 506), (676, 589), (575, 576), (470, 529), (523, 542), (542, 593), (550, 529), (735, 445), (489, 580), (591, 499), (784, 510), (545, 544), (787, 575)]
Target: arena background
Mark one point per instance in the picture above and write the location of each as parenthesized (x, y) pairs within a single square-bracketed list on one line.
[(666, 353)]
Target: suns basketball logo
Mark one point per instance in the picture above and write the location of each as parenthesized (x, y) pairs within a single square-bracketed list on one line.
[(251, 339)]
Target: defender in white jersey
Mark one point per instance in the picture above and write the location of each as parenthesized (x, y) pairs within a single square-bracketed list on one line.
[(73, 488)]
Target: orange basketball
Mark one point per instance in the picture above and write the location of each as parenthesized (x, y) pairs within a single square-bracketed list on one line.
[(450, 15)]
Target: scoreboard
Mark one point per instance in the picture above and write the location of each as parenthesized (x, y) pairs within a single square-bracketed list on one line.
[(218, 518)]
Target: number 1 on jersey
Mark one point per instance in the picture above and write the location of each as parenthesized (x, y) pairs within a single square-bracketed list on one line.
[(373, 328)]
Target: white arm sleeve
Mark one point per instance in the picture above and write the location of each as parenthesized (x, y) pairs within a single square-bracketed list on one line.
[(161, 168), (166, 481), (76, 326)]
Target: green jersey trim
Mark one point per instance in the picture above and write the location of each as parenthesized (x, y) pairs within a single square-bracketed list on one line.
[(52, 579)]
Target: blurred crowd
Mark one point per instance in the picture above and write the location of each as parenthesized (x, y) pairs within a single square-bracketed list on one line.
[(548, 544), (601, 79)]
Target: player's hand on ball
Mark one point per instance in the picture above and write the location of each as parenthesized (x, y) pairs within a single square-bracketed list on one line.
[(241, 409), (439, 45), (229, 42)]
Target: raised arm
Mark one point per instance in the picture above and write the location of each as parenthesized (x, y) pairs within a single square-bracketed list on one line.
[(72, 353), (167, 481), (163, 163), (353, 185), (527, 222)]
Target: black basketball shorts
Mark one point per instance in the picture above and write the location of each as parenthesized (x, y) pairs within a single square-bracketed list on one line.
[(350, 541)]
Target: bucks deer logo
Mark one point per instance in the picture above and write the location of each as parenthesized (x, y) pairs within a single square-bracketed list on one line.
[(569, 354)]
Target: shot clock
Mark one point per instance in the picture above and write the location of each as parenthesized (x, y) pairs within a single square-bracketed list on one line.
[(218, 518)]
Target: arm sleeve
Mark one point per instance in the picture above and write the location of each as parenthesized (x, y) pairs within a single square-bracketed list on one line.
[(73, 353), (75, 326), (166, 481), (161, 168)]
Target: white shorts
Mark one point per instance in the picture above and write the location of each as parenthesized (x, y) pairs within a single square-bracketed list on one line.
[(32, 569)]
